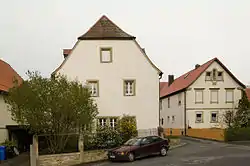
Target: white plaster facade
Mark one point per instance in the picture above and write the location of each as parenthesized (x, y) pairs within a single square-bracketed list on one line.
[(5, 119), (128, 62), (206, 107)]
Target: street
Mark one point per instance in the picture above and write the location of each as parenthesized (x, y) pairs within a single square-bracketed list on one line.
[(196, 153)]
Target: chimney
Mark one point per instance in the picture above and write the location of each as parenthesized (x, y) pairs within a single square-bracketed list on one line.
[(66, 52), (170, 79), (197, 65)]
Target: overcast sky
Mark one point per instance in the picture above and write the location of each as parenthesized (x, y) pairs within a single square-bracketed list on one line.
[(177, 34)]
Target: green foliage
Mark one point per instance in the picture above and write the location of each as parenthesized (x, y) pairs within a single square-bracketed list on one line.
[(8, 144), (237, 134), (103, 138), (242, 117), (51, 106), (127, 127), (229, 118)]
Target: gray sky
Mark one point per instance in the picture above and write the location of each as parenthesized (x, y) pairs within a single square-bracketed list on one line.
[(177, 34)]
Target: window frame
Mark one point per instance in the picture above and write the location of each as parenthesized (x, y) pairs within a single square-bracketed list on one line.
[(111, 54), (232, 90), (168, 102), (97, 82), (217, 113), (202, 118), (113, 124), (214, 90), (222, 76), (199, 90), (101, 124), (133, 87), (208, 78), (173, 118)]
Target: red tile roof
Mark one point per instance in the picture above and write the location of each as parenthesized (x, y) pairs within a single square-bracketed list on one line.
[(248, 93), (104, 28), (188, 78), (8, 75), (66, 51)]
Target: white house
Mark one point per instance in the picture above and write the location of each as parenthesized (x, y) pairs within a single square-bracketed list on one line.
[(199, 98), (122, 78)]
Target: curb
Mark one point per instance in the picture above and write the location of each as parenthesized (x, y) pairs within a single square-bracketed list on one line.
[(177, 146)]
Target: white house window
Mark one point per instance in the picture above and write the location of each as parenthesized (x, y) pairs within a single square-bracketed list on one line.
[(229, 95), (179, 99), (169, 102), (94, 88), (173, 119), (168, 119), (199, 117), (113, 122), (160, 104), (102, 122), (214, 94), (106, 55), (220, 76), (129, 87), (208, 76), (214, 117), (199, 96)]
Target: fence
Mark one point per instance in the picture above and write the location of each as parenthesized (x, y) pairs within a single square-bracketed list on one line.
[(147, 132)]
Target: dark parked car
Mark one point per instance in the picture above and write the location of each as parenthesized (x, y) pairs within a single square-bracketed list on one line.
[(139, 147)]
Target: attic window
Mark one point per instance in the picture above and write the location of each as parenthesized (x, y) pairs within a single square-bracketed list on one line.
[(220, 76), (208, 76), (106, 55)]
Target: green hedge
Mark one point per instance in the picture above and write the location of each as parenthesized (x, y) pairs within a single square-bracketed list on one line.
[(237, 134)]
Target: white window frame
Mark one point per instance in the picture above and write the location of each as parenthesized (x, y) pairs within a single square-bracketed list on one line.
[(113, 122), (208, 78), (196, 91), (129, 87), (230, 90), (220, 78), (211, 118), (196, 113), (102, 122), (91, 85), (211, 99), (109, 49)]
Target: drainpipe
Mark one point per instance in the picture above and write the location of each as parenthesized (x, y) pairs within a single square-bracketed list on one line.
[(185, 113), (160, 76)]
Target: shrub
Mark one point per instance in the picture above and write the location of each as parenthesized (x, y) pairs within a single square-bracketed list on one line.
[(9, 145), (127, 127), (237, 134), (106, 137)]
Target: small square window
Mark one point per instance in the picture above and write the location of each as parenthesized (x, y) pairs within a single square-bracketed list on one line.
[(129, 87), (113, 122), (214, 117), (199, 117), (173, 119), (220, 76), (208, 76), (102, 122), (94, 88), (106, 55)]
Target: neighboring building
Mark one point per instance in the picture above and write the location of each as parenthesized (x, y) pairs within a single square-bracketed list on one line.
[(248, 93), (121, 77), (199, 98), (7, 76)]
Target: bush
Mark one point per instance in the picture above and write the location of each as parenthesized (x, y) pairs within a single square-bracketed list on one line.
[(237, 134), (127, 127)]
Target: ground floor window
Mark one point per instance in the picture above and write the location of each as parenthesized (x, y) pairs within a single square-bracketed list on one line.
[(107, 121), (199, 117), (214, 117)]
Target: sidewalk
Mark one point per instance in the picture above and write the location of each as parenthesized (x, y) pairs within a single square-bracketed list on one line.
[(21, 160)]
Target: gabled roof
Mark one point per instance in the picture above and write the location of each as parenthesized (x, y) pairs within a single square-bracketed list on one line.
[(248, 93), (162, 85), (105, 29), (190, 77), (7, 76)]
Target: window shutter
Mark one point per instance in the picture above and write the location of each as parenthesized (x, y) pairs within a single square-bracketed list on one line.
[(214, 96), (229, 96), (199, 96)]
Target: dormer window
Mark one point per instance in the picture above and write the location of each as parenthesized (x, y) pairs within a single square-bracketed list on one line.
[(106, 55)]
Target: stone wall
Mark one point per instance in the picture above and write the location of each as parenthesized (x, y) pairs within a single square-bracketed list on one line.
[(68, 159)]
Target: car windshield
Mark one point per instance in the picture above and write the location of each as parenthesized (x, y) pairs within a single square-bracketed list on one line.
[(134, 141)]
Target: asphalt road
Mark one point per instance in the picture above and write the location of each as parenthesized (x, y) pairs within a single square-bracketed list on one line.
[(198, 154)]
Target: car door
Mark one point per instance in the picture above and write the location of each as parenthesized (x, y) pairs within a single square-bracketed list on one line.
[(145, 148), (157, 143)]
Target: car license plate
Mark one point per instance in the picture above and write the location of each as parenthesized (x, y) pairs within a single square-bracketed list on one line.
[(111, 156)]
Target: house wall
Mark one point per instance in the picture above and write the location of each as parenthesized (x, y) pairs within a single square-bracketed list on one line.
[(206, 107), (175, 109), (5, 119), (128, 63)]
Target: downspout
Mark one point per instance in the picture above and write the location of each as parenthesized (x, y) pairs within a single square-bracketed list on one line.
[(185, 112), (160, 76)]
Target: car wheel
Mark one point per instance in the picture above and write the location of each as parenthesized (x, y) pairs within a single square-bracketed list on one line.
[(131, 157), (163, 151)]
